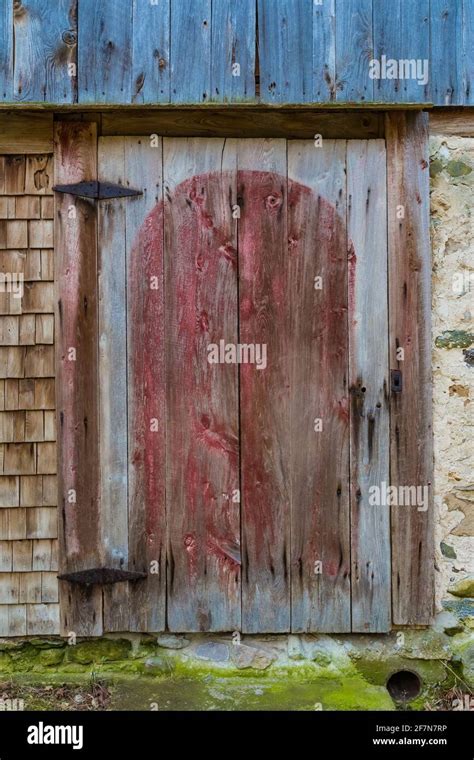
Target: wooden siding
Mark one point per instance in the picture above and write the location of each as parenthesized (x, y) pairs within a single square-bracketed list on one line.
[(185, 51), (28, 527)]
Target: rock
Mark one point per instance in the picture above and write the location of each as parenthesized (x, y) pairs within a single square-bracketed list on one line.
[(447, 623), (213, 651), (431, 645), (99, 650), (458, 169), (158, 665), (244, 656), (169, 641), (326, 652), (295, 648), (464, 587), (447, 551)]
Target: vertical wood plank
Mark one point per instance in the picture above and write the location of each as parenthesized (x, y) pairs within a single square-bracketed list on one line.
[(324, 52), (285, 45), (77, 381), (446, 52), (233, 29), (202, 402), (411, 448), (369, 383), (354, 50), (151, 52), (318, 336), (264, 399), (467, 48), (146, 385), (112, 323), (191, 51), (6, 51), (105, 51), (402, 32), (45, 36)]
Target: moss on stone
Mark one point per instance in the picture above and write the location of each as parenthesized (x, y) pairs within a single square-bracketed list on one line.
[(436, 166), (458, 168), (454, 339), (98, 651)]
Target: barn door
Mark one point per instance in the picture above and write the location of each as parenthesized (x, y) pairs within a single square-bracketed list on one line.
[(241, 322)]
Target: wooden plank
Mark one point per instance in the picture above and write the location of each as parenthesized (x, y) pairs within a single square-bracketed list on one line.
[(452, 121), (191, 51), (354, 50), (245, 122), (6, 52), (151, 52), (285, 44), (39, 174), (264, 402), (319, 425), (467, 48), (45, 37), (324, 52), (233, 29), (105, 51), (446, 52), (202, 433), (26, 132), (76, 403), (368, 383), (402, 33), (146, 385), (42, 619), (411, 448), (112, 317)]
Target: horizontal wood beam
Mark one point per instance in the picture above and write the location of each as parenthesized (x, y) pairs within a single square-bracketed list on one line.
[(26, 132)]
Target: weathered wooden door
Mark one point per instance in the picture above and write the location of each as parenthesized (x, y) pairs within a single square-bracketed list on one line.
[(243, 375)]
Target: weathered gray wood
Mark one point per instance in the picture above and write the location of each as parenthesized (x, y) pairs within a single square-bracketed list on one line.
[(324, 52), (411, 449), (45, 37), (368, 383), (146, 384), (319, 419), (233, 44), (151, 52), (203, 513), (191, 51), (354, 50), (76, 375), (112, 324), (264, 394)]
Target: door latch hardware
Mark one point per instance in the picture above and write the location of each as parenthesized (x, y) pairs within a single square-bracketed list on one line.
[(396, 381)]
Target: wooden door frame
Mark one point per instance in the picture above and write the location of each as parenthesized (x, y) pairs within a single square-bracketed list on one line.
[(411, 446)]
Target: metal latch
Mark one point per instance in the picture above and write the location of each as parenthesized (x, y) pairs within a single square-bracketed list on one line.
[(396, 381)]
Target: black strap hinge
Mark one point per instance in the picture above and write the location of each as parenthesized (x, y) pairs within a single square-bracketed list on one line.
[(99, 191), (102, 576)]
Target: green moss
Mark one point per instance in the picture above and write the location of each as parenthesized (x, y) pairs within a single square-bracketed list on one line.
[(458, 168), (436, 166), (454, 339), (357, 694), (447, 550), (99, 651)]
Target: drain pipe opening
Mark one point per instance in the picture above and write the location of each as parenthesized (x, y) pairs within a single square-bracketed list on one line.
[(404, 685)]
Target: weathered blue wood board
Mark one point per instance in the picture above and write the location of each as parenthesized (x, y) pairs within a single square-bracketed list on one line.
[(354, 50), (191, 51), (6, 50), (151, 52), (105, 51), (285, 44), (401, 33), (446, 51), (324, 52), (233, 27), (45, 37), (185, 51), (468, 54)]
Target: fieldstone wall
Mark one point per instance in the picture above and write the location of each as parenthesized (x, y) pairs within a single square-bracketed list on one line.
[(452, 235)]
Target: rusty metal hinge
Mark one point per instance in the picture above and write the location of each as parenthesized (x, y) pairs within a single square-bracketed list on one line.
[(102, 576), (396, 381), (99, 191)]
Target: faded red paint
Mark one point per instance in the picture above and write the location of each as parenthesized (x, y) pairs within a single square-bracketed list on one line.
[(206, 444)]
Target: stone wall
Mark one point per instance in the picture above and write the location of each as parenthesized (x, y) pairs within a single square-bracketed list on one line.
[(452, 234)]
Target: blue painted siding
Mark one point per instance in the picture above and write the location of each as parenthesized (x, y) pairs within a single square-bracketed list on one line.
[(212, 51)]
